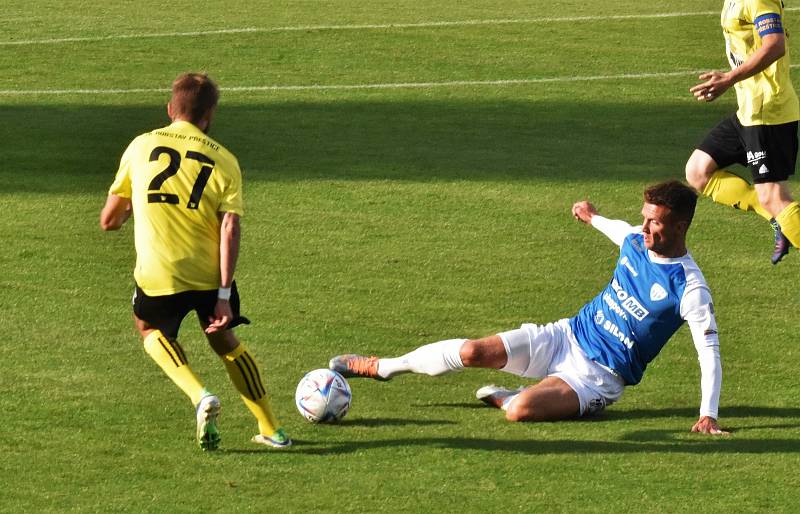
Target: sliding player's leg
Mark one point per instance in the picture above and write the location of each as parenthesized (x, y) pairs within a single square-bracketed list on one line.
[(432, 359), (571, 385), (552, 399)]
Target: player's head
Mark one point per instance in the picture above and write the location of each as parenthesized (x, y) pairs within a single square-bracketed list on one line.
[(668, 211), (194, 98)]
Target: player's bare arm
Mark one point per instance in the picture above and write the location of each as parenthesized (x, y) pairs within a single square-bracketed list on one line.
[(115, 213), (715, 83), (584, 211), (230, 235)]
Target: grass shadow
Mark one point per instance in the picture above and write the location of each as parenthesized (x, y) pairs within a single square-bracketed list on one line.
[(354, 140), (726, 412), (391, 422), (650, 441)]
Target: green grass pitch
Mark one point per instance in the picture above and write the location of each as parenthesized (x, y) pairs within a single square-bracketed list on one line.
[(378, 218)]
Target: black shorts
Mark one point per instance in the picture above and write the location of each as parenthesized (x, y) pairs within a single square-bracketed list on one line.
[(167, 312), (770, 151)]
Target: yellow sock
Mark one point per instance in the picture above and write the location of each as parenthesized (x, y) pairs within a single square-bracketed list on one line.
[(732, 190), (244, 374), (789, 220), (170, 357)]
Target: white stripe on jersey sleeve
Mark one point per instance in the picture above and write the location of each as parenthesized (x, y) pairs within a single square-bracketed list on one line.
[(697, 309), (616, 230)]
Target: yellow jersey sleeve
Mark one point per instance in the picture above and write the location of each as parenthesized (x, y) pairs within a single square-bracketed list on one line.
[(231, 198), (122, 182)]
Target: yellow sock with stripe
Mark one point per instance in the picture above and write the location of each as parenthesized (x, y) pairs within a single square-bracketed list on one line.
[(789, 220), (170, 358), (244, 373), (734, 191)]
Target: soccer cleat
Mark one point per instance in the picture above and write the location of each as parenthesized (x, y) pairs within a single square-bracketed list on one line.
[(782, 244), (496, 396), (351, 365), (207, 433), (278, 440)]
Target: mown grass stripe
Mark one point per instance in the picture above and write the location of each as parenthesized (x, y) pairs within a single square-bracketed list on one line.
[(375, 26), (391, 85)]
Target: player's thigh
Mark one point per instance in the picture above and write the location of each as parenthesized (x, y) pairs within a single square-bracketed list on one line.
[(551, 399), (721, 147), (530, 349), (204, 303), (163, 313), (699, 169)]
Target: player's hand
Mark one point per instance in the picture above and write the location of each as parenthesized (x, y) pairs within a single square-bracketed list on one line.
[(708, 425), (584, 211), (222, 316), (714, 85)]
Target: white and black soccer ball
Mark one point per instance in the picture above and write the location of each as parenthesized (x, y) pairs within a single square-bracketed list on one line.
[(323, 396)]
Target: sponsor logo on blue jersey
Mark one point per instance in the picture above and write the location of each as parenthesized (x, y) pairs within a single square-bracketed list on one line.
[(612, 329), (627, 263), (629, 302), (626, 325)]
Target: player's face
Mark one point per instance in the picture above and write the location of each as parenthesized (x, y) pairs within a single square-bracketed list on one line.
[(662, 234)]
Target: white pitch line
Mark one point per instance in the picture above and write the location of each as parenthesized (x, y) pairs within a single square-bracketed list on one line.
[(383, 26), (334, 87)]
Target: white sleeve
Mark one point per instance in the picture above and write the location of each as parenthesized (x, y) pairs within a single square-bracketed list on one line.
[(699, 314), (616, 230)]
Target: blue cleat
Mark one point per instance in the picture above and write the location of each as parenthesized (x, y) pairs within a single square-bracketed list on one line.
[(782, 244)]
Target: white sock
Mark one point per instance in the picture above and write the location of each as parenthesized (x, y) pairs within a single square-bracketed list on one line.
[(432, 359)]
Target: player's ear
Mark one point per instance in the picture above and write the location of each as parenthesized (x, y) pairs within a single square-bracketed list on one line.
[(169, 109)]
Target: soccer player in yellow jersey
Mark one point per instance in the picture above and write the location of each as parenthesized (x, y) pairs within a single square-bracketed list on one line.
[(763, 133), (185, 192)]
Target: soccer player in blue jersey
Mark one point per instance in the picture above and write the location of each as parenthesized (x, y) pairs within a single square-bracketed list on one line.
[(585, 362)]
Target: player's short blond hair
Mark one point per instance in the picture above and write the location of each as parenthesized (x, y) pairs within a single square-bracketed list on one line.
[(194, 95)]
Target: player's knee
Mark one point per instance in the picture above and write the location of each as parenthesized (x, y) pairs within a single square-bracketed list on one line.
[(699, 169), (765, 199), (773, 196), (695, 177), (489, 352), (520, 411), (471, 353)]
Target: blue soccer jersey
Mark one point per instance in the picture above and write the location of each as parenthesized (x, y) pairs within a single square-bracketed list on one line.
[(647, 300)]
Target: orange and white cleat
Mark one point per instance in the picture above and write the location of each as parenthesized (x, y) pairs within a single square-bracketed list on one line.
[(351, 365)]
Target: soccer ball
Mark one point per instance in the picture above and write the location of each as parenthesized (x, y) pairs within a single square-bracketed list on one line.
[(323, 396)]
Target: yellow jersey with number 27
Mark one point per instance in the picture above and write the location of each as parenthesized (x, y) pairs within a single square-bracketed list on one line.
[(179, 181), (768, 97)]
